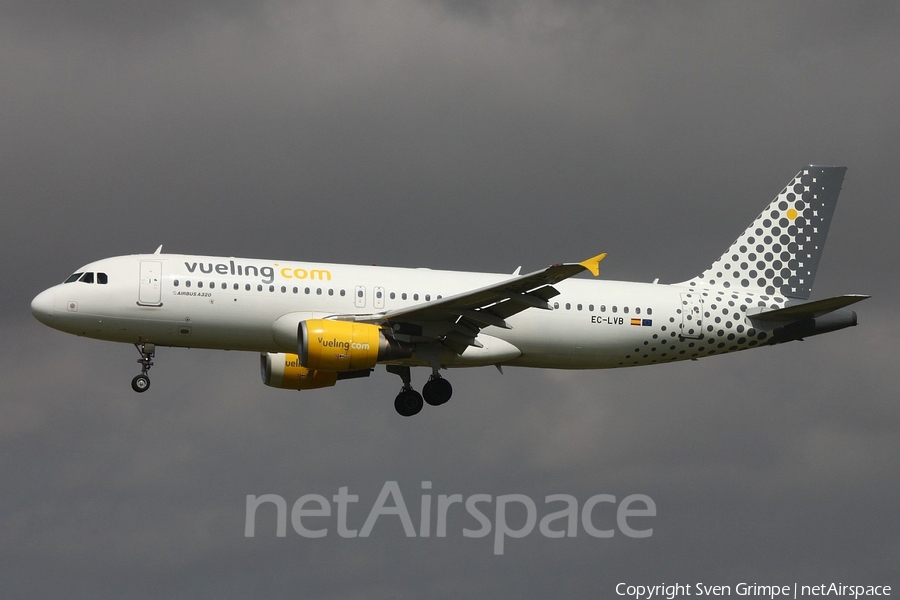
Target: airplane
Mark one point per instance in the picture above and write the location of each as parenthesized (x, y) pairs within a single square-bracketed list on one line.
[(315, 324)]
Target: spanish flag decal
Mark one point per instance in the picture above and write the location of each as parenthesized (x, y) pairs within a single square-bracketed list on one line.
[(642, 322), (636, 322)]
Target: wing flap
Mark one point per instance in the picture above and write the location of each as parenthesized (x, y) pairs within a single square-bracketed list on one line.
[(482, 317)]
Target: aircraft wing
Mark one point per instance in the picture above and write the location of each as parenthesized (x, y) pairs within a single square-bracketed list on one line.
[(456, 320)]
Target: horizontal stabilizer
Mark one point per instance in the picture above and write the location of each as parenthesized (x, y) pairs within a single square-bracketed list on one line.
[(807, 310)]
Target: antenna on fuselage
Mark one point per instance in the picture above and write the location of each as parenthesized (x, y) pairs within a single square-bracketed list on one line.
[(158, 250)]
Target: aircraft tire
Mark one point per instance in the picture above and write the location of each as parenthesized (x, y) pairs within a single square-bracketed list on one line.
[(408, 403), (140, 384), (437, 391)]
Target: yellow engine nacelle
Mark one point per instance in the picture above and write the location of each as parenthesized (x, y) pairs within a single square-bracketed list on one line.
[(346, 346), (285, 371)]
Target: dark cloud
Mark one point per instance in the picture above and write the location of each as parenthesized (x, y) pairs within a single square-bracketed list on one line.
[(456, 135), (125, 19)]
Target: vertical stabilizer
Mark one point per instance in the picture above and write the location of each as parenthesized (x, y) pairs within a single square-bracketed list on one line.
[(778, 254)]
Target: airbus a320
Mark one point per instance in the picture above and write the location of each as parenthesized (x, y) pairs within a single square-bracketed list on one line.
[(315, 324)]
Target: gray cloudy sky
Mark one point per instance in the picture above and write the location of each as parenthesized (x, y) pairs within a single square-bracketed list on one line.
[(457, 135)]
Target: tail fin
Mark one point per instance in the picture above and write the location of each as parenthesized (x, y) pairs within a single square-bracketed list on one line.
[(780, 251)]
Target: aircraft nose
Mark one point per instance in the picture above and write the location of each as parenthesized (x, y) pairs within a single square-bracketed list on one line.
[(42, 306)]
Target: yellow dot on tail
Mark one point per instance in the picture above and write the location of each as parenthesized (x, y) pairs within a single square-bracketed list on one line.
[(792, 214)]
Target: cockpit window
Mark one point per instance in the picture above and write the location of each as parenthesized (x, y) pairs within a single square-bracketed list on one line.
[(83, 277)]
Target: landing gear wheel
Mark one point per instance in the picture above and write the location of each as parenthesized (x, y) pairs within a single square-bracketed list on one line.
[(437, 391), (408, 403), (140, 383)]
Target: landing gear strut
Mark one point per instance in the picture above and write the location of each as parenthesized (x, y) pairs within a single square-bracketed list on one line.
[(142, 382), (409, 402)]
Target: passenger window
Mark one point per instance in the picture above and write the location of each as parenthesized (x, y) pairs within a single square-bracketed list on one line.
[(187, 283), (199, 284), (87, 278), (259, 287), (393, 295), (403, 295), (236, 287), (247, 287), (175, 283), (224, 286), (591, 307), (72, 277), (615, 309), (427, 297), (101, 278), (330, 292), (343, 293)]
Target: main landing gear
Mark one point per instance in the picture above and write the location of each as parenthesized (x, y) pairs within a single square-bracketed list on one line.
[(437, 390), (409, 402), (142, 382)]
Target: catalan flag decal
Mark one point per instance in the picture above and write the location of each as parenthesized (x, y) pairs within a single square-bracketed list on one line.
[(642, 322)]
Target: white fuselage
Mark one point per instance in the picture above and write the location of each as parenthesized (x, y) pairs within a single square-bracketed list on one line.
[(255, 305)]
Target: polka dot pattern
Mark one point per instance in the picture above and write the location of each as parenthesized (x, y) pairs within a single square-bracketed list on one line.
[(706, 323), (780, 251)]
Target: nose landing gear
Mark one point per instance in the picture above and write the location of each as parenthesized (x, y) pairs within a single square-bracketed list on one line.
[(141, 383)]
